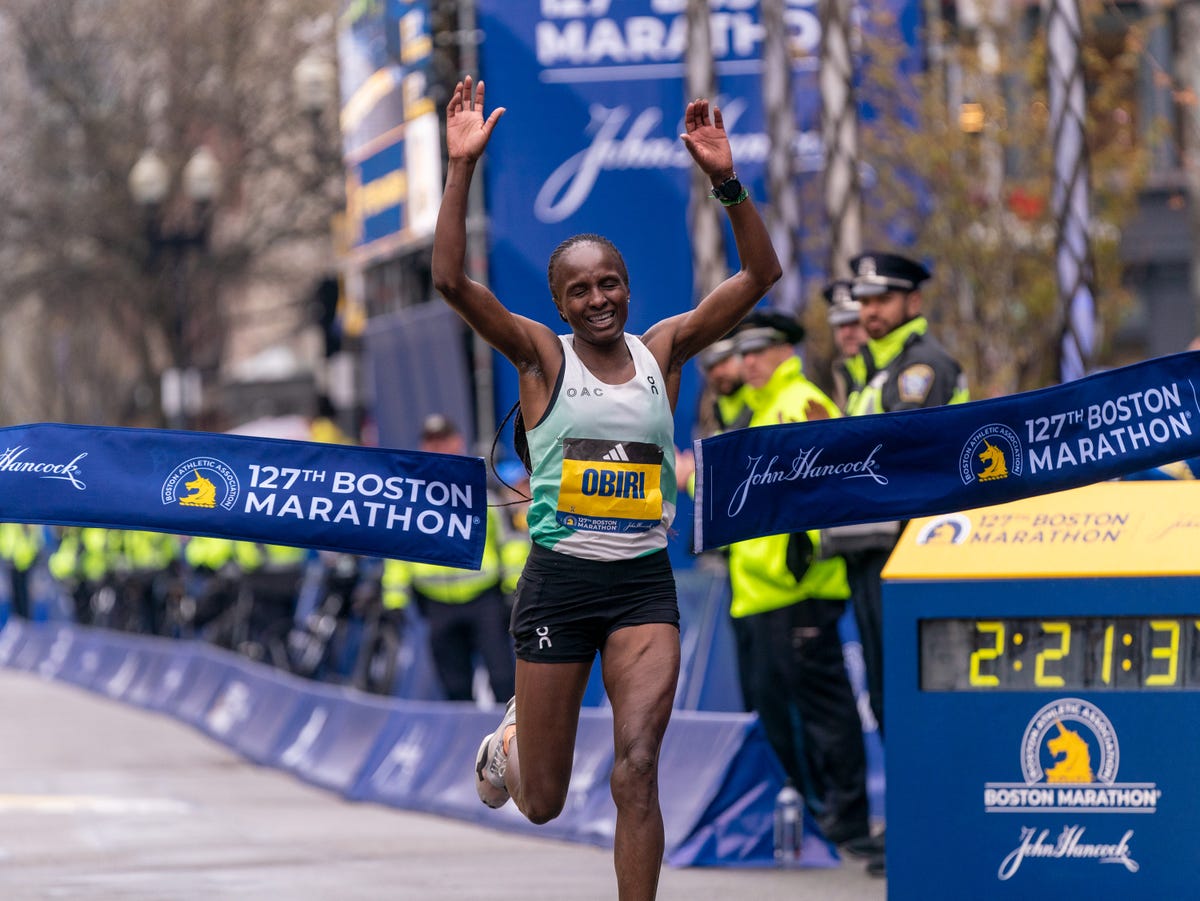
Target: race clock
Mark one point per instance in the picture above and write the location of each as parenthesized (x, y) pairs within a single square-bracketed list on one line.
[(1072, 653), (1042, 698)]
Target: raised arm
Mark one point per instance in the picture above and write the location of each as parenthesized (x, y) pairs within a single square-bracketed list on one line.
[(677, 339), (467, 135)]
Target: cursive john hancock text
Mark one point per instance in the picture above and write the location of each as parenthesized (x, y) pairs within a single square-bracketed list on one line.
[(805, 465)]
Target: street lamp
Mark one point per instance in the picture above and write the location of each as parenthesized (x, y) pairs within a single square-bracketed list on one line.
[(150, 184), (314, 80)]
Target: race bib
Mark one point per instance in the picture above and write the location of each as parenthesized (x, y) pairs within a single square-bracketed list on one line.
[(610, 486)]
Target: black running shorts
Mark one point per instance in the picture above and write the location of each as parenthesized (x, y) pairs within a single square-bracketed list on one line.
[(565, 607)]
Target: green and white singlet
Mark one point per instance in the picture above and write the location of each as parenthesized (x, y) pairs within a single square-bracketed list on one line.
[(603, 457)]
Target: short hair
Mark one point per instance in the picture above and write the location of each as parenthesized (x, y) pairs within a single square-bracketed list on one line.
[(575, 241), (437, 427)]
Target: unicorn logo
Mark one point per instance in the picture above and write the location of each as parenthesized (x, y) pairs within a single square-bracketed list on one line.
[(1070, 754), (1073, 760), (998, 448), (201, 483), (996, 467), (1070, 741), (203, 493)]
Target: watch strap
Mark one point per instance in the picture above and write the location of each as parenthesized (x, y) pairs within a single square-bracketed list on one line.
[(730, 192)]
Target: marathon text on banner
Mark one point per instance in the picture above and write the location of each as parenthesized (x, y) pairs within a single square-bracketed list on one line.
[(410, 505), (818, 474)]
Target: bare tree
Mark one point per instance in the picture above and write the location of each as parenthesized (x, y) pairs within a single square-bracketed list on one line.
[(86, 87), (981, 209)]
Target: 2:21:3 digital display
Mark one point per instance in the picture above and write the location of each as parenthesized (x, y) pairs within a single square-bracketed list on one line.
[(1060, 653)]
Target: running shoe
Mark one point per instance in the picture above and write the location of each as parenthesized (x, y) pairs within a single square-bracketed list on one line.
[(491, 761)]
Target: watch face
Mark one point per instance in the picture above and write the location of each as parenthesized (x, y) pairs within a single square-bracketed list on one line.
[(730, 189)]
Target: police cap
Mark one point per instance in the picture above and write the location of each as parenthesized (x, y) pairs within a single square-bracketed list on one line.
[(766, 328), (717, 352), (843, 308), (877, 273)]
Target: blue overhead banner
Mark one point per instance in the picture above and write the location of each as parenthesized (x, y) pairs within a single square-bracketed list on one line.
[(810, 475), (594, 96), (410, 505)]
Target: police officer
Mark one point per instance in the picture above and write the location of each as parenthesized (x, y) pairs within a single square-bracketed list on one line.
[(785, 608), (465, 609), (212, 578), (904, 368), (849, 371), (272, 574), (20, 547), (150, 572), (721, 405), (84, 563)]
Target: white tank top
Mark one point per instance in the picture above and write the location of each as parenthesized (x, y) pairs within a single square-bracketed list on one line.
[(603, 457)]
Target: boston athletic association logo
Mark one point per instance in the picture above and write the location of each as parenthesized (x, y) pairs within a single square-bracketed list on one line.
[(950, 528), (1070, 741), (991, 454), (201, 483), (1069, 761)]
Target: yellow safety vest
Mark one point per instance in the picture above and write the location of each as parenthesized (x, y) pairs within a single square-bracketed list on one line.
[(910, 367), (503, 557), (20, 544), (758, 572)]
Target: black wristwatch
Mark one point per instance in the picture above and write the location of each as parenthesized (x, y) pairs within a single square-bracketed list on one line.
[(730, 192)]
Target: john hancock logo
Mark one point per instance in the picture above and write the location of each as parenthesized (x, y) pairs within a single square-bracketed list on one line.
[(202, 483), (991, 454), (1069, 760)]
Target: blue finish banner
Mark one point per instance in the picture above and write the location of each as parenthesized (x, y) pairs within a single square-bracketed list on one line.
[(810, 475), (410, 505)]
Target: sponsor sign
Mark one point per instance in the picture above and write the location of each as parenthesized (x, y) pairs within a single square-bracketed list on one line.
[(1069, 759), (1108, 529), (383, 503), (809, 475)]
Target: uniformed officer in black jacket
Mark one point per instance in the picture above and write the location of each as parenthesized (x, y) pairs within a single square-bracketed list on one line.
[(906, 367), (845, 322), (903, 368)]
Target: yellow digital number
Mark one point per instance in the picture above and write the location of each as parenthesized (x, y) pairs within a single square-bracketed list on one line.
[(1040, 676), (987, 654), (1169, 652), (1106, 663)]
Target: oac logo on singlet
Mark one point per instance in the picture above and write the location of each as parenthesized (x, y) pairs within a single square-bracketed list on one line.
[(610, 486)]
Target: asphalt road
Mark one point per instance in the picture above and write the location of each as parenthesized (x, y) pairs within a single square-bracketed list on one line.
[(99, 800)]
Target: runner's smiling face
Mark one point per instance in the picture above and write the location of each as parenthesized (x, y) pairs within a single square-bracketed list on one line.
[(591, 292)]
